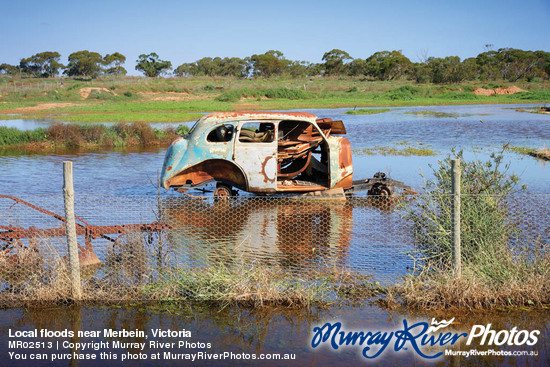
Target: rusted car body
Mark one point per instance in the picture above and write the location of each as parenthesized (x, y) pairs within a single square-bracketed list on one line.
[(262, 152)]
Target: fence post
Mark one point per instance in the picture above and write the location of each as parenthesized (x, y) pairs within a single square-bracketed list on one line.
[(457, 258), (70, 228)]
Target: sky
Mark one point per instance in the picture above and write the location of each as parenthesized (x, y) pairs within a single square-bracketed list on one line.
[(185, 31)]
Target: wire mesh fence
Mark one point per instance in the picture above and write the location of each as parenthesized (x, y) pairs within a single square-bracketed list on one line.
[(148, 247)]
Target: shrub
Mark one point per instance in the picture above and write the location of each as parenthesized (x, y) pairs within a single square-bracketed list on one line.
[(67, 134), (405, 92), (236, 94), (486, 225), (286, 93), (182, 130), (11, 135)]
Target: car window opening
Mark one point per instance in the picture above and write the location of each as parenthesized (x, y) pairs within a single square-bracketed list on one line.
[(254, 132), (221, 134)]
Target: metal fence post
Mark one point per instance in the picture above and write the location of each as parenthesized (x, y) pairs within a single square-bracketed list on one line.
[(457, 258), (70, 228)]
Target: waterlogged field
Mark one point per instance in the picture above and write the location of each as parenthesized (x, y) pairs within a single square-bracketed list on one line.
[(478, 130)]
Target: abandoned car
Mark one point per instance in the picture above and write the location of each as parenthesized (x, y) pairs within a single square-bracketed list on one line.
[(266, 152)]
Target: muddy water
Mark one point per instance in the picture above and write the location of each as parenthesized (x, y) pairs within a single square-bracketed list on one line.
[(128, 173)]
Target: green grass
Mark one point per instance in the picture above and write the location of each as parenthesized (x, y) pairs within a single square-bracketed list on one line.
[(520, 150), (74, 135), (127, 117), (203, 94), (501, 267), (436, 114), (401, 151), (261, 286), (364, 111), (13, 136)]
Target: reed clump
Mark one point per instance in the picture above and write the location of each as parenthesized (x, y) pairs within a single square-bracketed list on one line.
[(543, 153), (500, 267), (27, 278), (259, 286), (70, 135)]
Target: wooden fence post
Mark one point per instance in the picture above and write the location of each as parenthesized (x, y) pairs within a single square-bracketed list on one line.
[(70, 228), (457, 257)]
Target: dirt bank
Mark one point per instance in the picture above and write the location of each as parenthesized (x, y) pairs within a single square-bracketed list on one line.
[(85, 92), (500, 90), (38, 107)]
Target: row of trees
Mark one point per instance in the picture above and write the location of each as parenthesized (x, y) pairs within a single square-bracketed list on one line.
[(506, 63), (84, 64)]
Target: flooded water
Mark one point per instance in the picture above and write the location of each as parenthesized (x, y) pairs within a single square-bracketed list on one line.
[(135, 172), (250, 334), (263, 230)]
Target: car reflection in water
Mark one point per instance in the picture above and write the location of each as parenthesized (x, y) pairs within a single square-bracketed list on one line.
[(296, 234)]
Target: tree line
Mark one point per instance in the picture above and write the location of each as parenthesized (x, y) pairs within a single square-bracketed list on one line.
[(503, 64)]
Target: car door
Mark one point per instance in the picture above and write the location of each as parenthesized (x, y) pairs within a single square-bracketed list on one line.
[(256, 153)]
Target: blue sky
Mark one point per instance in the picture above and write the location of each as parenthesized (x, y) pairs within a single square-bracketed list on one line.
[(185, 31)]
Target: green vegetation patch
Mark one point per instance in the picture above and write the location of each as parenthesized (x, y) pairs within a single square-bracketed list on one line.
[(520, 150), (274, 93), (12, 136), (402, 150), (73, 135), (260, 286), (540, 110), (500, 267), (365, 111), (436, 114), (127, 117)]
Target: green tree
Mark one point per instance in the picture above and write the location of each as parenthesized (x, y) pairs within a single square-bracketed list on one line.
[(543, 63), (234, 66), (298, 69), (357, 67), (8, 69), (186, 69), (43, 64), (489, 65), (85, 63), (271, 63), (386, 65), (447, 70), (334, 61), (151, 65), (517, 64), (422, 72), (113, 64)]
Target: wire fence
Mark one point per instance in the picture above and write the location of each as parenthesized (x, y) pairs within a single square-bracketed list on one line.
[(21, 86), (130, 242)]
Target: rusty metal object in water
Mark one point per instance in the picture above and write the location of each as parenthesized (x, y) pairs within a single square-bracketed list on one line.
[(266, 153), (11, 236)]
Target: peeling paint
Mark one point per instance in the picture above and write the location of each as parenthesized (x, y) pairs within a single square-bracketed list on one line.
[(301, 155)]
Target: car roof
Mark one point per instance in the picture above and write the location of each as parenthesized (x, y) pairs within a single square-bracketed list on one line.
[(218, 117)]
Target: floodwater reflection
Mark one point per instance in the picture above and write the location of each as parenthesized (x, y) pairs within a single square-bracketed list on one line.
[(237, 330), (363, 234), (291, 233)]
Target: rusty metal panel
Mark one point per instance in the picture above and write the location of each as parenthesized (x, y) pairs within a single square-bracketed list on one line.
[(208, 170), (341, 166), (185, 153), (218, 117), (188, 160), (258, 160), (10, 236)]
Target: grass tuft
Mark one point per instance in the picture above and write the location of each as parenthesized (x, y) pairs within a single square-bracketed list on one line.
[(365, 111)]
